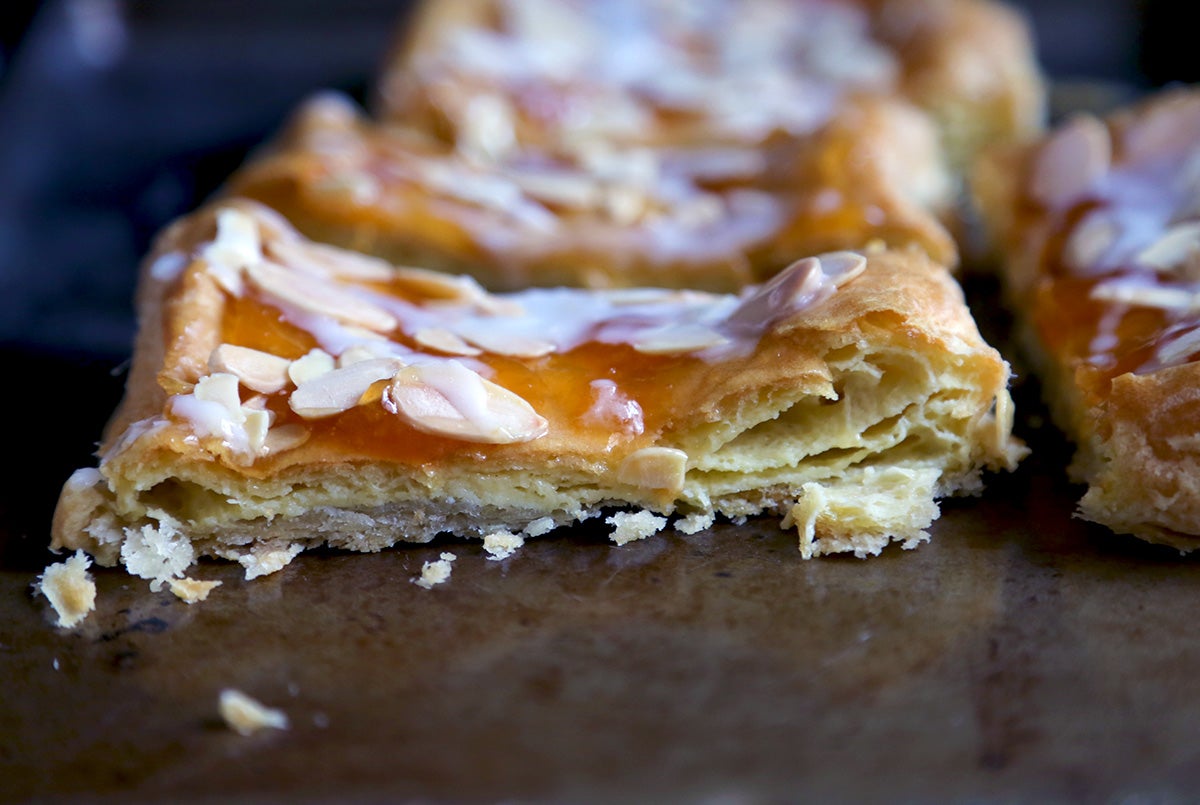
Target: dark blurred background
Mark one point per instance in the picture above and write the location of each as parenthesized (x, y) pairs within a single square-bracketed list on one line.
[(118, 115)]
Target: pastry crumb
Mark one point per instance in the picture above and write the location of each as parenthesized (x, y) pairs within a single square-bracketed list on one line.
[(502, 545), (263, 560), (632, 526), (70, 589), (191, 591), (540, 526), (435, 572), (247, 716)]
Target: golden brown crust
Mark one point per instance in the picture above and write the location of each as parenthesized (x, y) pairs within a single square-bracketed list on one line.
[(1096, 225), (825, 387)]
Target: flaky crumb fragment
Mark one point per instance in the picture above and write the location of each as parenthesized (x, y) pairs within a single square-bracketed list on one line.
[(192, 591), (435, 572), (70, 589), (632, 526), (247, 716), (502, 545)]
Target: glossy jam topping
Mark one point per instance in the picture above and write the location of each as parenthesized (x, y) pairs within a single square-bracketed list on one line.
[(1119, 288), (409, 365)]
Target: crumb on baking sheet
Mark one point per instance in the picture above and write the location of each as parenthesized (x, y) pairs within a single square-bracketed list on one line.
[(70, 589), (502, 545), (632, 526), (435, 572), (191, 591), (247, 716)]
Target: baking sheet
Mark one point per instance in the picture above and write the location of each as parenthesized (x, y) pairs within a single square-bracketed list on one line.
[(1021, 654)]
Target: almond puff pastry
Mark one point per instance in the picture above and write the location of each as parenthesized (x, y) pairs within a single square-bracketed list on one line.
[(605, 215), (286, 394), (1098, 226), (493, 76)]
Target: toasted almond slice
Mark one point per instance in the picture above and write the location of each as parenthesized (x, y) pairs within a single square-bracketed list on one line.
[(798, 286), (341, 389), (436, 285), (658, 468), (221, 388), (699, 212), (284, 437), (257, 370), (1178, 299), (319, 258), (625, 204), (1090, 241), (258, 422), (1178, 245), (357, 353), (311, 366), (440, 339), (1076, 156), (314, 295), (842, 267), (677, 338), (488, 128), (237, 243), (512, 345), (448, 399), (560, 188)]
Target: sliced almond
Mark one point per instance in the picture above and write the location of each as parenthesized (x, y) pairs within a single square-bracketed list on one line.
[(341, 389), (448, 399), (658, 468), (436, 285), (221, 388), (256, 370), (560, 188), (514, 345), (283, 438), (236, 244), (1180, 349), (1136, 295), (798, 286), (678, 338), (311, 366), (625, 204), (442, 340), (316, 296), (842, 267), (1068, 164), (357, 353), (319, 258), (1090, 241), (488, 128), (258, 422), (1177, 246)]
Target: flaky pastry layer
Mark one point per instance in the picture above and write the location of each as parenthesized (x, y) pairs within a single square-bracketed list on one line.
[(1098, 226), (286, 394)]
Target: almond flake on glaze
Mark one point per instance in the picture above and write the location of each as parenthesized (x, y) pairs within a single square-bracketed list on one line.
[(341, 389), (313, 295), (257, 370), (448, 399)]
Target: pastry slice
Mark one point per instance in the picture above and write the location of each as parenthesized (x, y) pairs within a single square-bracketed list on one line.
[(710, 218), (496, 75), (286, 394), (1099, 229)]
